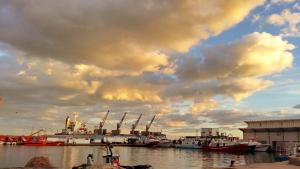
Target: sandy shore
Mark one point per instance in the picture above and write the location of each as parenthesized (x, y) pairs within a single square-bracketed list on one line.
[(278, 165)]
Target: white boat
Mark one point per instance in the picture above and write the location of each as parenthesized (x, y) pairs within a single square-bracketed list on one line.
[(189, 143), (165, 143), (259, 147), (262, 147)]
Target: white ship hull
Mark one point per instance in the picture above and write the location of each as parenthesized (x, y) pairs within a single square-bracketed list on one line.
[(262, 148)]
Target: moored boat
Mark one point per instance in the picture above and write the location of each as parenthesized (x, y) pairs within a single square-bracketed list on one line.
[(164, 143), (58, 143), (42, 141), (235, 148), (262, 147), (259, 147), (189, 143)]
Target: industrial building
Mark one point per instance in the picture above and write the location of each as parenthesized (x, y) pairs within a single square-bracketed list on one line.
[(205, 132), (282, 135)]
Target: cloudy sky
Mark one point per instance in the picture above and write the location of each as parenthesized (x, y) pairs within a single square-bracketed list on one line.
[(194, 63)]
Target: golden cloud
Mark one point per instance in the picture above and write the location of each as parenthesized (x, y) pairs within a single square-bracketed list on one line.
[(203, 105), (131, 94), (130, 35), (255, 55)]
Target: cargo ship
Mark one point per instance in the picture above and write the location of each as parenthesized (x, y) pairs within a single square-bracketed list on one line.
[(75, 133)]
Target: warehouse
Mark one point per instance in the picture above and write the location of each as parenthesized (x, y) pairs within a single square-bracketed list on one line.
[(282, 135)]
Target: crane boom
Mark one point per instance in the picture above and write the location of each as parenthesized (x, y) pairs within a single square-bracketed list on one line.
[(121, 121), (103, 121), (37, 132), (136, 123), (149, 125)]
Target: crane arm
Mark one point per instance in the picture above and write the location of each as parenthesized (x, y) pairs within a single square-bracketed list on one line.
[(149, 125), (41, 130), (137, 122), (121, 121), (104, 119)]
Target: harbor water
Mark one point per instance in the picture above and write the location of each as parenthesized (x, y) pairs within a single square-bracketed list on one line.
[(160, 158)]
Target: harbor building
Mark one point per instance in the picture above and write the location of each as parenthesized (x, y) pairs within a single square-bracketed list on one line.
[(282, 135), (205, 132)]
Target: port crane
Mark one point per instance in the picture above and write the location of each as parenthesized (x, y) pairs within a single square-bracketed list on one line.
[(135, 124), (37, 132), (149, 125), (103, 121), (121, 121)]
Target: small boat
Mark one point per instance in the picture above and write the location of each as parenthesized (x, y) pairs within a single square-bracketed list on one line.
[(145, 142), (151, 142), (112, 159), (262, 147), (250, 147), (259, 147), (164, 143)]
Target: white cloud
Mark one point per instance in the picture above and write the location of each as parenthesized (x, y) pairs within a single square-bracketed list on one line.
[(282, 1), (288, 21)]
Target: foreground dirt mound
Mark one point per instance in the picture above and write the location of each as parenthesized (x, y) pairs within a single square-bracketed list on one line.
[(39, 162), (95, 167), (295, 161)]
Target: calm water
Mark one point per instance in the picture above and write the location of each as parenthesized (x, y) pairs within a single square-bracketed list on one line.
[(66, 157)]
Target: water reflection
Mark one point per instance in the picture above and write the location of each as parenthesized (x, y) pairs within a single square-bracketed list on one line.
[(66, 157)]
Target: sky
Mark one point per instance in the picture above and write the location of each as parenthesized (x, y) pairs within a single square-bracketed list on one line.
[(193, 63)]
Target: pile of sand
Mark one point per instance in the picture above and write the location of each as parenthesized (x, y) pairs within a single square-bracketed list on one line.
[(39, 162)]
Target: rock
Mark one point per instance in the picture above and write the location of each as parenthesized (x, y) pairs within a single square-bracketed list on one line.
[(295, 161), (39, 162)]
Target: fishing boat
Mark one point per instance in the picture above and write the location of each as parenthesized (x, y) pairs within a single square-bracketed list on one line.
[(236, 148), (227, 145), (189, 142)]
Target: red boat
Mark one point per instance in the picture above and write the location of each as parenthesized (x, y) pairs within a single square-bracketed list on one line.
[(42, 141), (236, 148), (56, 143)]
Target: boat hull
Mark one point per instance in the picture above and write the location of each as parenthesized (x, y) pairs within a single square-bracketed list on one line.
[(239, 148), (45, 144), (262, 148), (187, 146), (251, 148), (164, 145)]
